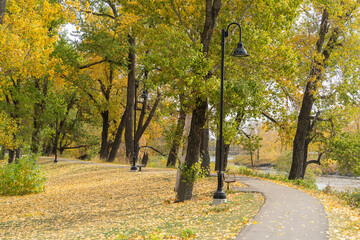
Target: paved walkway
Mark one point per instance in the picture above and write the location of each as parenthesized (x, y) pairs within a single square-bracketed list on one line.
[(287, 214)]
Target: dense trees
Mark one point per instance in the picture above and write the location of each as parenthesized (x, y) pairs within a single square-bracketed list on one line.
[(63, 92)]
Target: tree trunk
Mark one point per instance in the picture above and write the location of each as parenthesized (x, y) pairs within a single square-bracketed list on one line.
[(306, 146), (39, 108), (104, 134), (56, 140), (193, 149), (302, 132), (173, 154), (204, 151), (182, 152), (11, 156), (199, 113), (130, 99), (2, 10), (47, 147), (117, 140)]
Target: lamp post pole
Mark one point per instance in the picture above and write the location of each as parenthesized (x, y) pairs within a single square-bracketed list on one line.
[(219, 195), (133, 167), (145, 96)]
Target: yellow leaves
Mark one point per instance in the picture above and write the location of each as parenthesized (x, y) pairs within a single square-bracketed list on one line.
[(92, 202), (26, 44), (8, 127)]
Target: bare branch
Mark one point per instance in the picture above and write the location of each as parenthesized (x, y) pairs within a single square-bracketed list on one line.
[(98, 14), (141, 130), (153, 149), (246, 135), (272, 120), (318, 159), (178, 14), (92, 64), (81, 146), (113, 8)]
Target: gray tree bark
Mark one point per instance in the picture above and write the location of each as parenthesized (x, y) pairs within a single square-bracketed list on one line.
[(2, 10)]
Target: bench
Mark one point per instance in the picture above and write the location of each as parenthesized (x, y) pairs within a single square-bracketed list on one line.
[(229, 180), (140, 166)]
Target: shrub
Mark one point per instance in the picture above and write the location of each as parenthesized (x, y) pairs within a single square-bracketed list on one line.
[(245, 171), (351, 197), (21, 178), (187, 233)]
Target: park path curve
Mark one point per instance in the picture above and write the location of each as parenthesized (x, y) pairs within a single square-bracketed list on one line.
[(286, 214)]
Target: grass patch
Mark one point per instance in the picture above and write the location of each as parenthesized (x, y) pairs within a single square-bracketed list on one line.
[(83, 201)]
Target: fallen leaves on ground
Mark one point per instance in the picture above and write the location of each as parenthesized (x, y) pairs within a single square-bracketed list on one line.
[(93, 202)]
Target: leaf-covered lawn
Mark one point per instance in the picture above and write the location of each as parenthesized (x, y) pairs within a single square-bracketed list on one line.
[(92, 202)]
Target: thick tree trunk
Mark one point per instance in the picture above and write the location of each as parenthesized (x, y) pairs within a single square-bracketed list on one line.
[(47, 147), (130, 99), (199, 113), (306, 146), (2, 10), (300, 144), (117, 140), (104, 134), (173, 154), (182, 152), (204, 150), (193, 149), (302, 132), (11, 156), (14, 155)]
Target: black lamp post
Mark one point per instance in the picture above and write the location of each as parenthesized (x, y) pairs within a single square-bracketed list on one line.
[(219, 195), (144, 95)]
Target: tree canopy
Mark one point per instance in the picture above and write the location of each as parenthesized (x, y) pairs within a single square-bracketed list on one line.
[(75, 91)]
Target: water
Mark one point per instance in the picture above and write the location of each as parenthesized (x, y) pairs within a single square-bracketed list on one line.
[(336, 182), (339, 183)]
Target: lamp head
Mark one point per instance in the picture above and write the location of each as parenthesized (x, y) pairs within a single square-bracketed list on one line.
[(240, 51), (144, 95)]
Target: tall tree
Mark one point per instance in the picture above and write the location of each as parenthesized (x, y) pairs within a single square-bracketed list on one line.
[(184, 191), (330, 40), (29, 36)]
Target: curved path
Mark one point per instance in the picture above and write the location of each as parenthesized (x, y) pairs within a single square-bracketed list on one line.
[(287, 214)]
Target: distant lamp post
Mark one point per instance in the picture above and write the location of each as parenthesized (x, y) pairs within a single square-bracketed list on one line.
[(143, 95), (219, 195)]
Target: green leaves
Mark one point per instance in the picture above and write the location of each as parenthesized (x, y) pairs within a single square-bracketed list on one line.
[(345, 148), (21, 178)]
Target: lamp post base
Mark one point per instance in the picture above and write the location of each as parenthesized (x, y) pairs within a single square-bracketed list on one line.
[(219, 201), (219, 197), (133, 169)]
